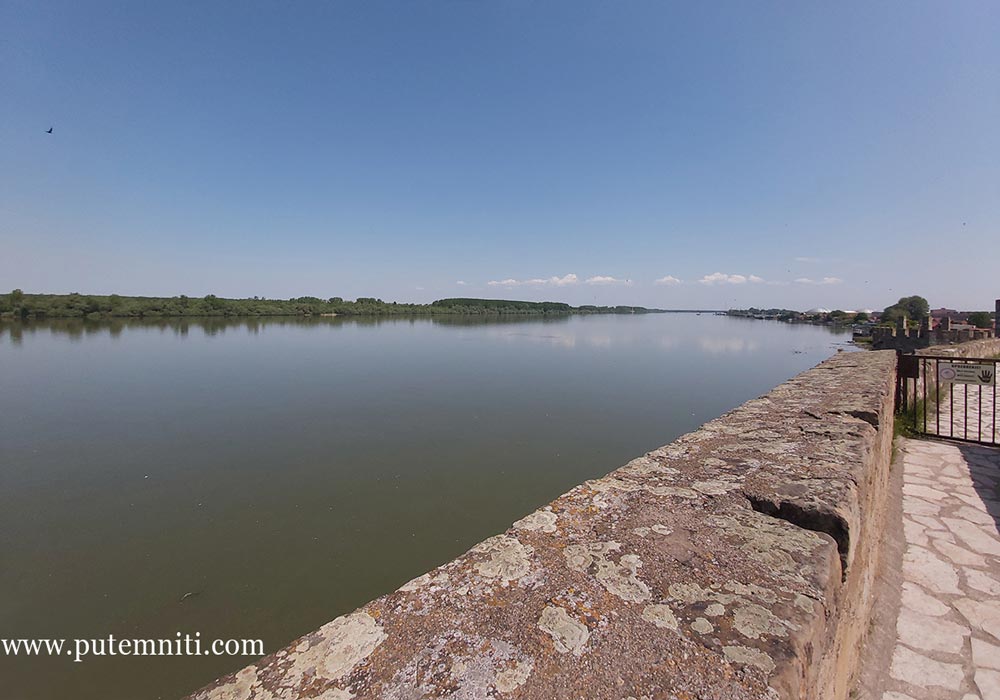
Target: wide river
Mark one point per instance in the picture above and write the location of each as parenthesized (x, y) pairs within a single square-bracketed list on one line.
[(255, 479)]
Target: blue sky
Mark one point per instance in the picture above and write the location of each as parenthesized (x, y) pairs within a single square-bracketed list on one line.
[(786, 154)]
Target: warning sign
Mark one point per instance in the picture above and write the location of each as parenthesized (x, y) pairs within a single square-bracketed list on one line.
[(967, 373)]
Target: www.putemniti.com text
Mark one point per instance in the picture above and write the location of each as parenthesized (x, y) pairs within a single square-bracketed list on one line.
[(184, 644)]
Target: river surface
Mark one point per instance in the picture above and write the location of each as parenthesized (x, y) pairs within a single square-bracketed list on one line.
[(255, 479)]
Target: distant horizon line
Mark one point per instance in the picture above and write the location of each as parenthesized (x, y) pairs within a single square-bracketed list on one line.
[(345, 299), (447, 298)]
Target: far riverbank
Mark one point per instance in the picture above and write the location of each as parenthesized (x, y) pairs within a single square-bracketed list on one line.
[(18, 305)]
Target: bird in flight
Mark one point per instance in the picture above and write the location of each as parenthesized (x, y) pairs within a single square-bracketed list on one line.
[(49, 131)]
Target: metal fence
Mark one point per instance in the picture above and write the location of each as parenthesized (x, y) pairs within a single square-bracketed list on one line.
[(950, 397)]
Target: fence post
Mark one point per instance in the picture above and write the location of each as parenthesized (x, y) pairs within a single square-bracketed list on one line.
[(900, 383)]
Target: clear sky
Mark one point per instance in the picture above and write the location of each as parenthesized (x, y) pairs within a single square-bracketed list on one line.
[(660, 153)]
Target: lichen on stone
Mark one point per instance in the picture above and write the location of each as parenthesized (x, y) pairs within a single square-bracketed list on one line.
[(348, 641), (509, 559), (642, 466), (568, 634), (688, 592), (239, 688), (428, 579), (540, 520), (743, 589), (513, 678), (660, 615), (753, 621), (619, 578), (678, 491), (331, 653), (702, 626), (749, 656), (461, 666), (613, 483), (713, 487), (715, 610)]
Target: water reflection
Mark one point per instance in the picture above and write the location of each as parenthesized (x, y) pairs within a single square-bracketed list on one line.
[(566, 332), (809, 327), (78, 328), (730, 346)]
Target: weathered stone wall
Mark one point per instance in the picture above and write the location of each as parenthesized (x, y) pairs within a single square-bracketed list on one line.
[(736, 562), (975, 348), (909, 340)]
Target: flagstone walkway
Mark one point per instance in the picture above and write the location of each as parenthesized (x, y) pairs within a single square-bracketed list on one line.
[(948, 631)]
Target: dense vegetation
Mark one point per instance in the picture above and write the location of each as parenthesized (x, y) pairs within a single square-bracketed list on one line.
[(836, 317), (503, 306), (914, 308), (17, 304), (981, 319)]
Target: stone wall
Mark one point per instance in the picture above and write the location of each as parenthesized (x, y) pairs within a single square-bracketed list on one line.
[(905, 340), (975, 348), (736, 562)]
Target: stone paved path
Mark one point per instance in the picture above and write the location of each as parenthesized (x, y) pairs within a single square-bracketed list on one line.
[(948, 631), (968, 413)]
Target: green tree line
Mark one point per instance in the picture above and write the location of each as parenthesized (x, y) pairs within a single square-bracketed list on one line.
[(19, 305)]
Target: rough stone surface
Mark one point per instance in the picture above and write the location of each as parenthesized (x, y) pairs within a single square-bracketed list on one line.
[(733, 563), (975, 348)]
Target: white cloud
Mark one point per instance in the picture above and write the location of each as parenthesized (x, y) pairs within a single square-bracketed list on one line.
[(806, 259), (461, 283), (723, 278), (825, 280), (537, 282), (667, 281), (563, 281), (606, 280)]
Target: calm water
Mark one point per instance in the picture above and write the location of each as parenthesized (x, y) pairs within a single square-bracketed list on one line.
[(286, 471)]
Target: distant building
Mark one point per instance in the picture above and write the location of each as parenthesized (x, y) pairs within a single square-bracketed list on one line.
[(939, 327), (953, 314), (955, 325)]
